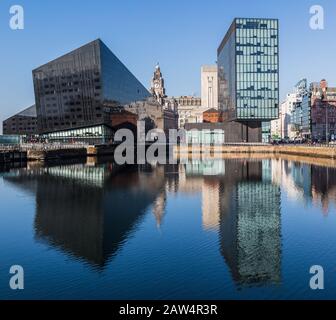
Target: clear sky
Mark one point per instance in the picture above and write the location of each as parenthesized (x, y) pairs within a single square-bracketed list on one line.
[(180, 34)]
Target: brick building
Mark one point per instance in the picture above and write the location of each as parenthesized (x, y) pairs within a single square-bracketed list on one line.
[(213, 116), (323, 112)]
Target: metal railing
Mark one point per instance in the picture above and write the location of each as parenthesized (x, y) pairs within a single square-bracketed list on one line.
[(52, 146), (42, 146)]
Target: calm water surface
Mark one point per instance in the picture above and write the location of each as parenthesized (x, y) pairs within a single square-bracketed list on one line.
[(220, 229)]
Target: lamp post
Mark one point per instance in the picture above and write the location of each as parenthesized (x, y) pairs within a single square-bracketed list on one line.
[(327, 123)]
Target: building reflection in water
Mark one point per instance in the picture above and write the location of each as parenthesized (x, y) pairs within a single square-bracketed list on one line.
[(78, 206), (241, 202), (311, 184), (89, 210)]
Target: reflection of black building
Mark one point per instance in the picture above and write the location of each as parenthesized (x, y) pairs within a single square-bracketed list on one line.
[(250, 225), (89, 212)]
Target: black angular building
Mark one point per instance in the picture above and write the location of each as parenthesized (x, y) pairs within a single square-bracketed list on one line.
[(75, 92), (22, 123)]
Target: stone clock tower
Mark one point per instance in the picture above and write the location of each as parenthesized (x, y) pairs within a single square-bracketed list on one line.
[(157, 86)]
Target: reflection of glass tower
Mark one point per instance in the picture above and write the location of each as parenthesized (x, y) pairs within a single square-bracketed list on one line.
[(250, 229)]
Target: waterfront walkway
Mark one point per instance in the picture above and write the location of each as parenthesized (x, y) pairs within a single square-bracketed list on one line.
[(41, 152), (320, 151)]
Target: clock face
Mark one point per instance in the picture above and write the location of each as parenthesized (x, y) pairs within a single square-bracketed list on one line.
[(157, 85)]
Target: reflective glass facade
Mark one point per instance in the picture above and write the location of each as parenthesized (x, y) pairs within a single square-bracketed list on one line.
[(74, 90), (10, 139), (96, 134), (266, 131), (206, 137), (248, 70), (306, 115), (23, 123)]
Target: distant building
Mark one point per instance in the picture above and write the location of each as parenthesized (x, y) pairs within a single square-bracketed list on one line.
[(312, 111), (154, 115), (276, 128), (190, 110), (75, 92), (158, 111), (286, 110), (323, 112), (213, 116), (248, 76), (209, 86), (121, 118), (291, 122), (22, 123)]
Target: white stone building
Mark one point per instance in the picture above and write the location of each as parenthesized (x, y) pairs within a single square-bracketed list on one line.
[(209, 86), (190, 110)]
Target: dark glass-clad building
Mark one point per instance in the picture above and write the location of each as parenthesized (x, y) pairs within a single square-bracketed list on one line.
[(22, 123), (248, 72), (75, 92)]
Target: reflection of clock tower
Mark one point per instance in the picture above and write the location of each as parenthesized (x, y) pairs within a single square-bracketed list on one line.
[(157, 86)]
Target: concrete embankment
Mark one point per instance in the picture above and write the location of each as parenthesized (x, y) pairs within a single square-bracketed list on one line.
[(100, 150), (43, 155), (12, 156), (307, 151), (67, 153)]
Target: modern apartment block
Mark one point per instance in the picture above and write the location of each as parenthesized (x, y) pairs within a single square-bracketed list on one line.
[(22, 123), (248, 76), (75, 93)]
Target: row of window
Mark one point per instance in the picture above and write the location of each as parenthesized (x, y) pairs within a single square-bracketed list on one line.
[(257, 77), (254, 57), (257, 42), (259, 67), (85, 132), (256, 23), (257, 85), (256, 33)]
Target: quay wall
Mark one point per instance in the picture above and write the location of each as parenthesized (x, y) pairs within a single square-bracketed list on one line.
[(308, 151), (42, 155), (325, 152), (12, 156)]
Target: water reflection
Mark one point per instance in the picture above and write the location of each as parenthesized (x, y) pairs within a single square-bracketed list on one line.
[(90, 210), (241, 201), (77, 205)]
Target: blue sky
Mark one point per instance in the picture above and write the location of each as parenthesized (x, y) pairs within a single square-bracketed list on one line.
[(180, 34)]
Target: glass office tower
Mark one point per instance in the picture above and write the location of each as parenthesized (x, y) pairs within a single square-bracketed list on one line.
[(248, 71), (76, 90)]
